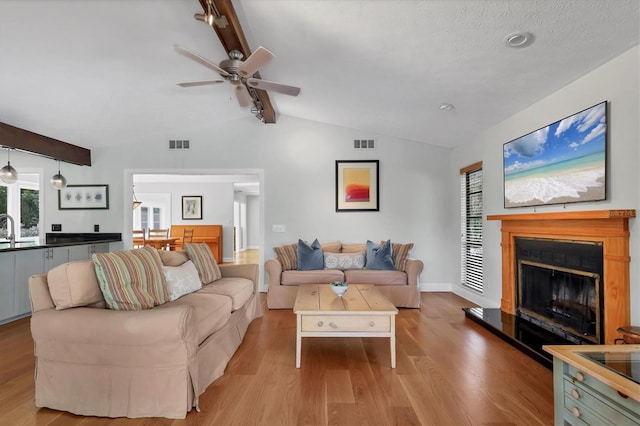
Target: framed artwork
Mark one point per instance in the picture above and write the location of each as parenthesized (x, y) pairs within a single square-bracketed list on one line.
[(357, 185), (192, 207), (84, 197), (564, 162)]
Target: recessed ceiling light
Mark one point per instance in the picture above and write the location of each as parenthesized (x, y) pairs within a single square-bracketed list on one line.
[(446, 107), (519, 40)]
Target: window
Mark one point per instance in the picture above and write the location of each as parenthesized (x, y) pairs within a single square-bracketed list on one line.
[(471, 226), (22, 201)]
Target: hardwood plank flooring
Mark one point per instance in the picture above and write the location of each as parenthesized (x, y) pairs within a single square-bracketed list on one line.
[(450, 371)]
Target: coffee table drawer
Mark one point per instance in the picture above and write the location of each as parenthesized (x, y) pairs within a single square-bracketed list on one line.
[(346, 323)]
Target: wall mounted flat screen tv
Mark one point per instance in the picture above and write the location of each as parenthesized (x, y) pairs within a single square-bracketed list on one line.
[(564, 162)]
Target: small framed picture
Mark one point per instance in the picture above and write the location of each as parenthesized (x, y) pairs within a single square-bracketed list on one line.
[(192, 207), (84, 197)]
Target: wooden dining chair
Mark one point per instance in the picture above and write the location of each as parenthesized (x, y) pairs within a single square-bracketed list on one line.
[(187, 235), (159, 234), (138, 238)]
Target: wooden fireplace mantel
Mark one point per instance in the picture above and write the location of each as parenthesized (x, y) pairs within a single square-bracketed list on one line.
[(611, 227)]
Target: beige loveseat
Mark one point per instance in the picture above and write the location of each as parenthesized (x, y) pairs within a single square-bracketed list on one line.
[(147, 363), (400, 286)]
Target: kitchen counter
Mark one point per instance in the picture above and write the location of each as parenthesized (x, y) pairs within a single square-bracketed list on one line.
[(60, 240)]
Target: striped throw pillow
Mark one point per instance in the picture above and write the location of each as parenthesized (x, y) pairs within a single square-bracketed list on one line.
[(400, 253), (131, 280), (201, 256), (288, 256)]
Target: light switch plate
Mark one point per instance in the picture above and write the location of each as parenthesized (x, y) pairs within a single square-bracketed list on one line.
[(278, 228)]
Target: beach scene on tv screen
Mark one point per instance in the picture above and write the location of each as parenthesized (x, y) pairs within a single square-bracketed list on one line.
[(561, 163)]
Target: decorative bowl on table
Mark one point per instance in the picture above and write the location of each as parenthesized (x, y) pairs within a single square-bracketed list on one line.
[(339, 287)]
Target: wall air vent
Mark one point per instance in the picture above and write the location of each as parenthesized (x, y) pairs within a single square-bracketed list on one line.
[(361, 144), (178, 144)]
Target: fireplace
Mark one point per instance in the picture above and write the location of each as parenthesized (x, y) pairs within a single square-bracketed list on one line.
[(598, 257), (559, 287)]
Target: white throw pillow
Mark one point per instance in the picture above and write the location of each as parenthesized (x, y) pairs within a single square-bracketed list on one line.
[(344, 261), (181, 279)]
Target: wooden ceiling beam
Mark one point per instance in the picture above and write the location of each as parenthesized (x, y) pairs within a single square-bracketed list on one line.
[(232, 38), (24, 140)]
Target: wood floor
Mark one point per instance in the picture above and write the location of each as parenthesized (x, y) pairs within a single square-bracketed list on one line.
[(450, 371)]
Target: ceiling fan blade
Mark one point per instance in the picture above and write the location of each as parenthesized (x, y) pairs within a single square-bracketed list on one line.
[(244, 99), (273, 86), (259, 58), (194, 56), (199, 83)]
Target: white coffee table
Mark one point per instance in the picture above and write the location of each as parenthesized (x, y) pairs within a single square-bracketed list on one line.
[(362, 312)]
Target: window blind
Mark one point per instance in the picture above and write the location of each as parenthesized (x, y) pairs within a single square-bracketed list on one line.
[(471, 227)]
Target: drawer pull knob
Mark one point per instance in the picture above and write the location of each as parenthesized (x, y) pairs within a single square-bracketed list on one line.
[(320, 323), (575, 412), (332, 325), (371, 324), (579, 377), (575, 394)]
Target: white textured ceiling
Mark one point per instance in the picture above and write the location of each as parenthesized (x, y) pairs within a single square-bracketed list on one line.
[(78, 70)]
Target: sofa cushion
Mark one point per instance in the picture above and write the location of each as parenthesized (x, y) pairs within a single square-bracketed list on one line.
[(181, 280), (287, 256), (201, 256), (344, 260), (310, 256), (74, 284), (319, 276), (211, 312), (131, 279), (364, 276), (173, 258), (238, 289), (354, 248), (379, 257), (334, 247)]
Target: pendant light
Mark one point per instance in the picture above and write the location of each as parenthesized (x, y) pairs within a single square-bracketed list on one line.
[(58, 181), (8, 174), (136, 203)]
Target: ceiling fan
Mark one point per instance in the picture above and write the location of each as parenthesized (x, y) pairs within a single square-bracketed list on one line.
[(240, 73)]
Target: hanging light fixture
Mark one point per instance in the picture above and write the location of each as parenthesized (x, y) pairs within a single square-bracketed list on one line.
[(58, 181), (8, 174), (136, 203)]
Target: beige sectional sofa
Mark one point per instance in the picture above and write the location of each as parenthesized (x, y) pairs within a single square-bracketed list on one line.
[(400, 286), (146, 363)]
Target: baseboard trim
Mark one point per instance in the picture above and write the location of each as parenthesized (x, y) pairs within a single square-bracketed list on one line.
[(434, 287)]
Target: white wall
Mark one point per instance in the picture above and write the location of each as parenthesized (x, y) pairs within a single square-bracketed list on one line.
[(253, 222), (297, 158), (617, 82)]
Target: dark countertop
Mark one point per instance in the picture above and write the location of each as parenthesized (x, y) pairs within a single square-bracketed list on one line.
[(63, 239)]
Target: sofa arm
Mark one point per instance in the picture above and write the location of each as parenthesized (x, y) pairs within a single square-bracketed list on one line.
[(248, 271), (273, 267), (106, 327), (413, 269)]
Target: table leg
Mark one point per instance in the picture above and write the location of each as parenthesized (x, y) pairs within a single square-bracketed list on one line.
[(298, 341), (392, 340)]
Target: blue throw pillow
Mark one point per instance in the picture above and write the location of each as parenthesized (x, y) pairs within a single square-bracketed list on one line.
[(310, 256), (379, 257)]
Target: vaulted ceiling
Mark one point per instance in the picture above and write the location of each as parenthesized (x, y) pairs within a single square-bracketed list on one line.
[(79, 70)]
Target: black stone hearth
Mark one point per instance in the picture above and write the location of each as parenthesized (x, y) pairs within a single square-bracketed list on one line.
[(521, 334)]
